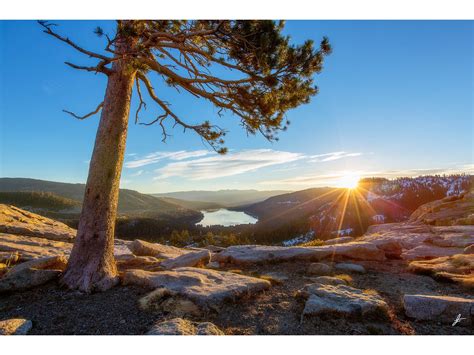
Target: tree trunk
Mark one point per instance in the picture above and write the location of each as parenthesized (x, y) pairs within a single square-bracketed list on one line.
[(91, 266)]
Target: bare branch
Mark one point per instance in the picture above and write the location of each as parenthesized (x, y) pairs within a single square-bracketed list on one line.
[(48, 30), (142, 103), (207, 132), (100, 68), (88, 115)]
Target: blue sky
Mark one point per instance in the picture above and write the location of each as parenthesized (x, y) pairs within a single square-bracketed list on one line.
[(396, 99)]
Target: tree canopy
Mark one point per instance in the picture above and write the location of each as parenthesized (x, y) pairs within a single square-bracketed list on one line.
[(267, 76)]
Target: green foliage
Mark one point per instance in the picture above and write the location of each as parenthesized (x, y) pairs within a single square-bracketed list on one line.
[(270, 75)]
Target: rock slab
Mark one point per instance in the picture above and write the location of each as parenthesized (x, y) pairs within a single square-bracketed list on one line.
[(249, 254), (206, 288), (179, 326), (194, 258), (15, 326), (342, 299), (443, 309), (14, 220), (142, 248)]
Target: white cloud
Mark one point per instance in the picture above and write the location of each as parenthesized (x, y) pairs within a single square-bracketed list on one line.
[(233, 163), (138, 173), (154, 158), (320, 158)]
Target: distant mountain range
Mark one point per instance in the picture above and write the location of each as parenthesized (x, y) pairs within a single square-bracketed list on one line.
[(223, 198), (26, 192), (330, 212), (320, 213)]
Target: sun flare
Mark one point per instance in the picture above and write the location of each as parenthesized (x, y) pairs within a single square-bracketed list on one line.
[(348, 181)]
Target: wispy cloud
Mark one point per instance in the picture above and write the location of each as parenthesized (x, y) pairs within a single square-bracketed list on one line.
[(154, 158), (233, 163), (320, 158), (313, 180), (138, 173)]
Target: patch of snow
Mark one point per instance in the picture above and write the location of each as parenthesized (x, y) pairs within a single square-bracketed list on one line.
[(303, 238)]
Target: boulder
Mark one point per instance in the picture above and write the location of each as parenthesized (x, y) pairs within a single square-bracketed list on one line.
[(342, 299), (348, 267), (318, 269), (245, 254), (179, 326), (194, 258), (340, 240), (428, 251), (142, 248), (26, 279), (15, 326), (443, 309), (14, 220), (206, 288), (57, 262)]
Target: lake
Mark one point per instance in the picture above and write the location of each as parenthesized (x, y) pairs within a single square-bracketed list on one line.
[(226, 218)]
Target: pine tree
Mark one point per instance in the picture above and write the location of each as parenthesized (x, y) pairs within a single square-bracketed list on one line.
[(268, 77)]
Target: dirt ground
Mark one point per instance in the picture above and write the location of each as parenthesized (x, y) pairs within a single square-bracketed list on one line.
[(276, 311)]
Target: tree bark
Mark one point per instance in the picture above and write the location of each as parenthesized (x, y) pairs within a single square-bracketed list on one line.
[(91, 265)]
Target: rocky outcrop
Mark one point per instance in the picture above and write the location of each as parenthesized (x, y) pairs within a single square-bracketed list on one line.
[(15, 326), (452, 210), (247, 254), (190, 259), (434, 230), (341, 299), (179, 326), (142, 248), (443, 309), (206, 288), (14, 220)]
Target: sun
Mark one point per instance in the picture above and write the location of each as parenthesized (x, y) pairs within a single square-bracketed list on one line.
[(348, 181)]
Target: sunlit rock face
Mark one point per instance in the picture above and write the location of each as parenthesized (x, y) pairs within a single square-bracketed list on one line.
[(14, 220)]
